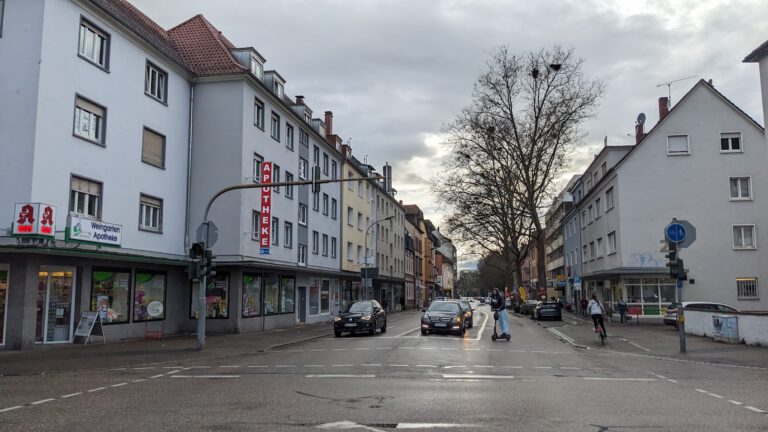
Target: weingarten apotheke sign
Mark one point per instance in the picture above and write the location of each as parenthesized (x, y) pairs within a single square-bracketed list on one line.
[(86, 230)]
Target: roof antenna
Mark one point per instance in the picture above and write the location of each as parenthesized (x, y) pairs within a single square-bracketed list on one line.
[(669, 87)]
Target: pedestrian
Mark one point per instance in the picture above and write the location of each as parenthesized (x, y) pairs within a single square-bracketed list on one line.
[(623, 310), (583, 305), (499, 307)]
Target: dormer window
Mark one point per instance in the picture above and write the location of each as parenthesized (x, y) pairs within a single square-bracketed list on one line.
[(307, 117), (257, 68), (277, 88)]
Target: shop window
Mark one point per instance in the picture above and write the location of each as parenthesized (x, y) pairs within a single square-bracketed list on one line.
[(89, 120), (149, 296), (287, 295), (153, 148), (3, 297), (216, 296), (325, 292), (314, 297), (251, 295), (271, 294), (110, 291), (93, 44)]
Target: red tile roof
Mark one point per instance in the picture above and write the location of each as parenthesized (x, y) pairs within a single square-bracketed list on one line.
[(204, 49)]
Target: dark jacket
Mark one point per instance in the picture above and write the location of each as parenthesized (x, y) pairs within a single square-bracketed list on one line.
[(497, 302)]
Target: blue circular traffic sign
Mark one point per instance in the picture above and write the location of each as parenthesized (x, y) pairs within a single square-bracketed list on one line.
[(675, 232)]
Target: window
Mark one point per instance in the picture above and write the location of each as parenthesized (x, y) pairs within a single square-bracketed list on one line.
[(110, 292), (744, 237), (302, 258), (359, 221), (255, 220), (156, 82), (150, 287), (275, 231), (277, 88), (315, 242), (316, 156), (349, 251), (85, 197), (592, 254), (257, 68), (603, 169), (2, 7), (599, 247), (747, 289), (584, 254), (287, 295), (251, 295), (334, 170), (740, 188), (349, 216), (303, 214), (730, 142), (153, 148), (150, 213), (288, 242), (611, 243), (316, 201), (589, 183), (597, 208), (275, 177), (325, 244), (583, 219), (325, 204), (334, 208), (257, 160), (325, 296), (275, 127), (258, 114), (289, 136), (93, 44), (216, 295), (333, 247), (609, 199), (303, 138), (591, 214), (360, 189), (359, 253), (350, 184), (89, 120), (325, 163), (302, 169), (288, 189), (678, 145)]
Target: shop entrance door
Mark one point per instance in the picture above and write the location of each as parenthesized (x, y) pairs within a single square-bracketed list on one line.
[(55, 304), (302, 304)]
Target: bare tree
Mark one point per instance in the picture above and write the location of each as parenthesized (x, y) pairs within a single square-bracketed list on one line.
[(515, 139)]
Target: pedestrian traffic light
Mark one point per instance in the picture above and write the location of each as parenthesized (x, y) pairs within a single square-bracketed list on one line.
[(671, 256), (197, 250), (207, 265)]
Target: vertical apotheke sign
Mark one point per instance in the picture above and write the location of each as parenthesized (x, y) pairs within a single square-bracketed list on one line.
[(265, 226), (34, 219)]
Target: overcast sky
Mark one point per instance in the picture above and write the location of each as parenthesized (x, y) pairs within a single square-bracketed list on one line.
[(395, 71)]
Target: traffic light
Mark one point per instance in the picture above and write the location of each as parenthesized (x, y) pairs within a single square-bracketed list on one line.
[(207, 265), (197, 250), (681, 273), (672, 257)]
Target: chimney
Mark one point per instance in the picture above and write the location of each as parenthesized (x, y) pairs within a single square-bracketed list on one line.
[(639, 134), (299, 100), (346, 150), (329, 123), (663, 107)]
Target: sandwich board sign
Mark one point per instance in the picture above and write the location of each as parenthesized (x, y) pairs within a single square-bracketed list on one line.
[(89, 325)]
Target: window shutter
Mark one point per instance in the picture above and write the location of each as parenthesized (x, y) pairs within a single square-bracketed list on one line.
[(80, 184), (153, 148), (677, 144), (151, 201), (90, 107)]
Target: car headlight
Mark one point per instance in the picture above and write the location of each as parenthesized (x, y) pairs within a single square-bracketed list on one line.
[(366, 318), (458, 319), (337, 319), (469, 314)]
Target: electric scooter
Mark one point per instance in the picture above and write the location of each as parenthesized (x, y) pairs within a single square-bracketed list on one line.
[(495, 335)]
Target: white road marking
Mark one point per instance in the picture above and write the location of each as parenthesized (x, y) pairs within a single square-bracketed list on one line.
[(315, 365), (340, 376), (156, 376), (173, 367), (672, 381), (339, 349), (119, 384), (425, 365), (431, 425), (317, 350), (205, 376), (757, 410), (452, 367), (716, 395), (474, 376), (342, 365), (398, 365), (198, 367), (285, 366), (482, 327), (139, 380), (71, 395), (513, 367), (638, 346), (569, 321), (516, 351), (295, 350), (257, 366), (540, 352), (702, 391), (118, 369), (230, 366), (618, 379), (361, 349), (175, 371), (471, 349), (409, 331), (41, 401), (542, 367), (346, 425), (97, 389), (482, 366), (144, 368), (569, 368), (370, 365), (447, 349), (562, 336), (382, 348), (428, 348), (735, 402), (11, 408)]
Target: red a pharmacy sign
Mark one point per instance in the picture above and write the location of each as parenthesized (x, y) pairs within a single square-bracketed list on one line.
[(34, 219), (265, 227)]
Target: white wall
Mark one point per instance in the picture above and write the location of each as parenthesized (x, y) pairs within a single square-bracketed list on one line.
[(753, 329)]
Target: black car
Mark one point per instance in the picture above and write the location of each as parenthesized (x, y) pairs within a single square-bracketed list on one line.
[(547, 310), (444, 316), (469, 313), (362, 316)]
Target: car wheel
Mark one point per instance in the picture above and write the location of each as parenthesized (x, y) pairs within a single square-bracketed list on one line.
[(337, 333), (463, 331), (424, 332), (384, 327), (372, 331)]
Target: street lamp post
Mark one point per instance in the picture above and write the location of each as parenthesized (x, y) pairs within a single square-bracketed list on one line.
[(365, 269)]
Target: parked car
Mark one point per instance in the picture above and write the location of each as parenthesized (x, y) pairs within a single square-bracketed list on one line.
[(547, 310), (362, 316), (670, 317), (443, 316), (468, 313), (526, 308)]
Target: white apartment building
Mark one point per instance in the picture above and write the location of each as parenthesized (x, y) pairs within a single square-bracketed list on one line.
[(94, 147), (389, 287), (703, 162)]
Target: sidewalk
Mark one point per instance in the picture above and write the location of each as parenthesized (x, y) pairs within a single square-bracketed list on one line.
[(171, 350)]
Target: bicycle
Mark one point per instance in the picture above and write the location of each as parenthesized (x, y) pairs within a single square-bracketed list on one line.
[(601, 332)]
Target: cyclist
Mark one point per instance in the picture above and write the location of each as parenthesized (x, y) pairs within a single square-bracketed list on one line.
[(596, 309), (498, 305)]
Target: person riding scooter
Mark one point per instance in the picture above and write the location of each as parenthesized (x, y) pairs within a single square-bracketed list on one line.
[(499, 307)]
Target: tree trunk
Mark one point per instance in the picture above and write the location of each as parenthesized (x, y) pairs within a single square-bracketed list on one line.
[(541, 265)]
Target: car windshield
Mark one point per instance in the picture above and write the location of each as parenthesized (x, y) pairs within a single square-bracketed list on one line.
[(359, 307), (443, 307)]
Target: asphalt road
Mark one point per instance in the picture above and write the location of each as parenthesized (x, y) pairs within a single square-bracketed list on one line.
[(539, 381)]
